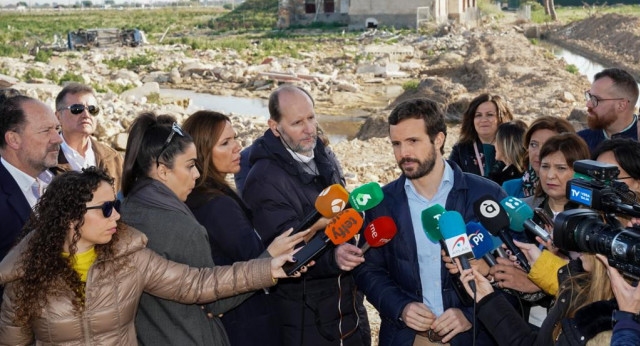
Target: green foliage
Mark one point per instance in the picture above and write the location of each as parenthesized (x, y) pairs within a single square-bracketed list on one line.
[(250, 15), (571, 68), (227, 6), (119, 88), (31, 74), (411, 85), (70, 77), (154, 98), (43, 56), (534, 41), (135, 63), (489, 8), (99, 88), (53, 76)]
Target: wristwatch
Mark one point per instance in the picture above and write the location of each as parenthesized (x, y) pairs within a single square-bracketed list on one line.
[(618, 315)]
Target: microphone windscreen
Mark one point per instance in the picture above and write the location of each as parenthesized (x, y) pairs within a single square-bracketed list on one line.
[(480, 239), (344, 226), (518, 212), (366, 196), (453, 231), (380, 231), (491, 214), (332, 200), (430, 223)]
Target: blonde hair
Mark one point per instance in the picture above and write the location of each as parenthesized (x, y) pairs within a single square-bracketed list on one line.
[(509, 140)]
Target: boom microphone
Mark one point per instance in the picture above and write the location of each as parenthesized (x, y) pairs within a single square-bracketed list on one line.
[(379, 232), (496, 221), (521, 216), (330, 201), (340, 229), (455, 236)]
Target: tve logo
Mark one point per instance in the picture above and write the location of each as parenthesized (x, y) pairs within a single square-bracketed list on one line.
[(581, 195)]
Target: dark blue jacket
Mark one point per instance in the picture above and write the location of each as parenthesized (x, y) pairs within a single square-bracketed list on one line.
[(233, 239), (280, 194), (626, 333), (14, 211), (390, 275), (595, 137)]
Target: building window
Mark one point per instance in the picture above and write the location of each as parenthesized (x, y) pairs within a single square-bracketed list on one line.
[(329, 6), (309, 6)]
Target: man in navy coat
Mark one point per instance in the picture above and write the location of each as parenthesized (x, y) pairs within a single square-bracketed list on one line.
[(29, 145), (406, 279)]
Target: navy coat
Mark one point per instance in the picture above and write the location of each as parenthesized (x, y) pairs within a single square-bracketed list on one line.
[(14, 211), (280, 194), (595, 137), (390, 275)]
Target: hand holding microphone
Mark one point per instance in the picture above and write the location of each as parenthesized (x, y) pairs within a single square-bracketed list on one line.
[(454, 233)]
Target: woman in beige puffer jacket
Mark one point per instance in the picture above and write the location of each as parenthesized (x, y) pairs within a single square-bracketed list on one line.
[(47, 302)]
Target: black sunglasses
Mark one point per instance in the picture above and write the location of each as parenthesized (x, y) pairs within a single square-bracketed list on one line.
[(175, 130), (78, 108), (107, 207)]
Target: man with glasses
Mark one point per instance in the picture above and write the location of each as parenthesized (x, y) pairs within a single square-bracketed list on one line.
[(610, 105), (29, 146), (77, 108)]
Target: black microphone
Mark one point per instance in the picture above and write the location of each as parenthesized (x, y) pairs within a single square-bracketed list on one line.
[(495, 219)]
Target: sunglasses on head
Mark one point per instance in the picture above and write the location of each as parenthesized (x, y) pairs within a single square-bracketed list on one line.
[(175, 130), (107, 207), (78, 108)]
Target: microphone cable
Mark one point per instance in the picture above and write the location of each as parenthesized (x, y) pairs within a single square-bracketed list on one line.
[(474, 316)]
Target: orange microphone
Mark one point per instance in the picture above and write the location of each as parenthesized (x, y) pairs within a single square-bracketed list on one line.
[(329, 202)]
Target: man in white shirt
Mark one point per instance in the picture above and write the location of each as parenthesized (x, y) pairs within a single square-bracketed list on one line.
[(77, 108), (29, 146)]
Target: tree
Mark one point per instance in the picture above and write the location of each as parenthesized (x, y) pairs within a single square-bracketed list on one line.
[(87, 3), (22, 3), (550, 9)]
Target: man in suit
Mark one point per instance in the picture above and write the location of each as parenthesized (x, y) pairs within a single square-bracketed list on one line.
[(29, 145), (76, 109)]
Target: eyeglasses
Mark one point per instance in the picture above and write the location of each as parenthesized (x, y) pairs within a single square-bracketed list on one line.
[(595, 100), (107, 207), (78, 108), (175, 130)]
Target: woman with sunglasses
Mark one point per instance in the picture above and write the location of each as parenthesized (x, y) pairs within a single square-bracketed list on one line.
[(159, 173), (227, 219), (78, 273)]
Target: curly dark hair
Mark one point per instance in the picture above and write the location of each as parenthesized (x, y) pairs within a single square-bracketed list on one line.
[(46, 271)]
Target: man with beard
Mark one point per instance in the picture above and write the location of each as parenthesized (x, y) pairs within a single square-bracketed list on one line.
[(406, 279), (77, 108), (29, 146), (289, 169), (610, 104)]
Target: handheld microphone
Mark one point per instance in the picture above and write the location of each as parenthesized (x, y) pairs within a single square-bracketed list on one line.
[(481, 242), (521, 216), (365, 197), (330, 201), (379, 232), (453, 231), (340, 229), (496, 221)]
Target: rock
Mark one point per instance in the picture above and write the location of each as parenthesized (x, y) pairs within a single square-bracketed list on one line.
[(345, 86), (134, 94), (7, 81), (174, 76), (579, 115), (375, 69), (375, 126), (156, 76), (567, 97), (120, 141)]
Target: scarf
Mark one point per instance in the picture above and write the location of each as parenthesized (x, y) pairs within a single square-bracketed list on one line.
[(529, 182), (152, 193)]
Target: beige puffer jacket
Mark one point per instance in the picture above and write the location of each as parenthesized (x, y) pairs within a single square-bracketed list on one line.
[(112, 294)]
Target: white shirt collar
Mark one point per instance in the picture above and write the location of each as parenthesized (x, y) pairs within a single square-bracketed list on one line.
[(25, 181), (301, 158), (74, 158)]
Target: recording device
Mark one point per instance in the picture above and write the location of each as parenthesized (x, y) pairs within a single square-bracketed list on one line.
[(520, 216), (583, 230), (454, 233), (340, 229), (379, 232), (496, 221), (430, 223), (481, 242), (594, 185), (329, 202)]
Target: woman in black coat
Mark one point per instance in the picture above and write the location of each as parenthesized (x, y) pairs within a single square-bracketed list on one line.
[(227, 220)]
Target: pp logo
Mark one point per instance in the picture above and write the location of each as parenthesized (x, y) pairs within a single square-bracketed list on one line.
[(337, 205), (489, 209)]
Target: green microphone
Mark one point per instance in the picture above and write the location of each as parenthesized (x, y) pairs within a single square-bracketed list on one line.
[(430, 222), (365, 197)]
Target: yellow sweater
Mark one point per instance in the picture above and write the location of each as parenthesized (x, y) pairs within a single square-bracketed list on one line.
[(544, 272), (82, 262)]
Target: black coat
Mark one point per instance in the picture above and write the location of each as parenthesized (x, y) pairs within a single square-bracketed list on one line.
[(233, 239), (280, 194)]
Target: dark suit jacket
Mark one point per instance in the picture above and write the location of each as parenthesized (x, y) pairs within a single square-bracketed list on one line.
[(14, 210)]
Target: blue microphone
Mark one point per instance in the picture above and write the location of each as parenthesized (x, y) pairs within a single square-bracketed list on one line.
[(454, 233), (481, 242)]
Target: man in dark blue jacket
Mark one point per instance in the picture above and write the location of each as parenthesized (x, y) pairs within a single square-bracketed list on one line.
[(406, 279), (610, 104), (289, 169)]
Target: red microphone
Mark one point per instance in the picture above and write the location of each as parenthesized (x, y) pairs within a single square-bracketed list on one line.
[(344, 226), (379, 232)]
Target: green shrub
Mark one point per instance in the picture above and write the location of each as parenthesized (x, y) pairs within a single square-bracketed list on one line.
[(70, 77), (32, 73), (571, 68), (534, 41), (154, 98), (119, 88), (43, 56), (411, 85), (53, 76), (135, 63)]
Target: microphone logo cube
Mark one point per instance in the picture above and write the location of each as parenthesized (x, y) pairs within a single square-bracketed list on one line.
[(337, 205), (476, 238), (489, 209), (458, 246)]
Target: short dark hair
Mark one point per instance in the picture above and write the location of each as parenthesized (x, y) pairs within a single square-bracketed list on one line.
[(625, 150), (73, 88), (623, 81), (424, 109), (12, 116), (147, 136), (274, 100), (572, 147)]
